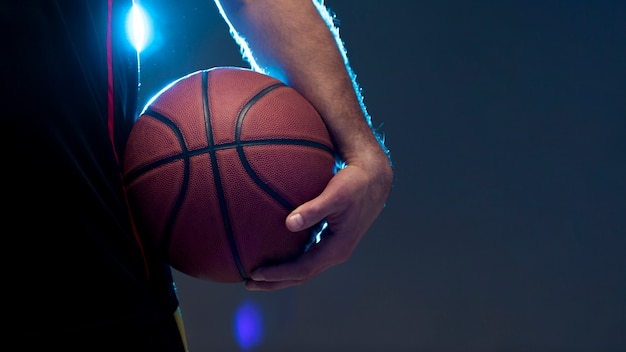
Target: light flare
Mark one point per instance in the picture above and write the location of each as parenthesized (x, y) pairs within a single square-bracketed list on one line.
[(138, 27)]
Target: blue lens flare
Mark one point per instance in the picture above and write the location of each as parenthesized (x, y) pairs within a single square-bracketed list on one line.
[(322, 227), (248, 325), (138, 27)]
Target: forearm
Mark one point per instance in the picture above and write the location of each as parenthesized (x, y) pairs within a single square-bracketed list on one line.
[(289, 39)]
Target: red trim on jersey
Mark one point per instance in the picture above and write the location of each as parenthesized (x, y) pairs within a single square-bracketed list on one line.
[(111, 120), (111, 90)]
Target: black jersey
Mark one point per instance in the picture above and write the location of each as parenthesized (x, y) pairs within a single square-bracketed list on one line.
[(69, 98)]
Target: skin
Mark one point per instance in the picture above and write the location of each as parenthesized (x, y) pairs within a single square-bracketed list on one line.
[(290, 40)]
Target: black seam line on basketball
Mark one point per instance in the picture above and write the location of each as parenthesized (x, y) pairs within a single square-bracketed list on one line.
[(217, 179), (201, 151), (171, 219), (284, 141), (242, 156)]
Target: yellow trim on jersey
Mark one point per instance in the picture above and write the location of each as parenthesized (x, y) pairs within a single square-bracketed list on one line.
[(178, 316)]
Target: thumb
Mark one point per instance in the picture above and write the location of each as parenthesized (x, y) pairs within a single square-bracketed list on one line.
[(306, 215), (295, 222)]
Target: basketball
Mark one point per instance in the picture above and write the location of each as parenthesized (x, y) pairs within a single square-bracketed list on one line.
[(215, 163)]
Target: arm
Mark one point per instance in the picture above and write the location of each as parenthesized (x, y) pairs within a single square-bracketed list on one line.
[(294, 40)]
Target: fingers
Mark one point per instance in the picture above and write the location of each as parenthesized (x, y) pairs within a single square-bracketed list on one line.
[(299, 270), (349, 204), (270, 285), (331, 251), (315, 260)]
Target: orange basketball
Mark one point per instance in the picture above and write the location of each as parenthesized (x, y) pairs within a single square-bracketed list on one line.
[(216, 162)]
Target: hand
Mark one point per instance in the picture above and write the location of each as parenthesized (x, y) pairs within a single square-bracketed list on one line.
[(350, 203)]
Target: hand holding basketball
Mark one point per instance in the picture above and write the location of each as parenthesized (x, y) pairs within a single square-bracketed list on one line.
[(350, 203)]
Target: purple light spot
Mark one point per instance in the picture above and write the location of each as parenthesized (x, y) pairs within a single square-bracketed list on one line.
[(248, 325)]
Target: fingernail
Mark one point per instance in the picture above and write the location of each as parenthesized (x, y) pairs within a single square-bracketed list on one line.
[(255, 276), (296, 221), (251, 286)]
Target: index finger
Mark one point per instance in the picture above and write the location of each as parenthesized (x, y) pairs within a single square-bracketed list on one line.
[(317, 259)]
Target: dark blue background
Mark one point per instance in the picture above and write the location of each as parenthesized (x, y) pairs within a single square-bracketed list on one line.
[(506, 226)]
